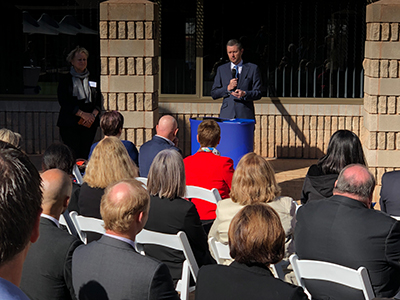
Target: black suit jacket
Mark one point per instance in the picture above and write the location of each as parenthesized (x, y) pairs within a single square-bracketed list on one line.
[(239, 281), (390, 193), (249, 81), (47, 268), (171, 216), (344, 231), (149, 150), (111, 269)]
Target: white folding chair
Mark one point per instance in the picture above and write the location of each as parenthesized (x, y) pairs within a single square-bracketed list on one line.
[(142, 179), (177, 241), (82, 224), (219, 250), (77, 174), (320, 270), (62, 221), (396, 218), (212, 195)]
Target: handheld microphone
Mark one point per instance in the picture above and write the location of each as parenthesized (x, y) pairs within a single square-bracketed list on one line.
[(233, 73)]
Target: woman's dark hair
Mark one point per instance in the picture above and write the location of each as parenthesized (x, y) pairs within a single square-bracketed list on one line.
[(58, 156), (111, 123), (344, 148)]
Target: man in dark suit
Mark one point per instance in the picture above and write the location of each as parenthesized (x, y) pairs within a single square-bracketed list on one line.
[(20, 208), (390, 197), (345, 230), (110, 268), (238, 83), (47, 268), (166, 138)]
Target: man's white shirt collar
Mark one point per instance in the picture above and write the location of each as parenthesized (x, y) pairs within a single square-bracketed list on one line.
[(130, 242), (169, 141), (240, 66), (51, 219)]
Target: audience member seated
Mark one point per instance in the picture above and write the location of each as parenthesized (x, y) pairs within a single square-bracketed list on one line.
[(390, 200), (345, 230), (254, 182), (208, 169), (8, 136), (20, 208), (59, 156), (344, 148), (256, 240), (111, 124), (109, 163), (110, 268), (166, 138), (47, 268), (170, 213)]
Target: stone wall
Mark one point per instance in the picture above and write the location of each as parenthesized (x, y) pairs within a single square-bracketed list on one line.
[(129, 64), (382, 87)]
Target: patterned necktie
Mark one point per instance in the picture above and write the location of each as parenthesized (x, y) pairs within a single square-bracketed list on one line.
[(237, 72)]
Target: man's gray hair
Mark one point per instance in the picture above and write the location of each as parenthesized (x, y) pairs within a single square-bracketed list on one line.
[(234, 42), (356, 185)]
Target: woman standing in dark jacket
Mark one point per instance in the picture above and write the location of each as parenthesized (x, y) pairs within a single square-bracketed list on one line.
[(344, 148), (80, 101)]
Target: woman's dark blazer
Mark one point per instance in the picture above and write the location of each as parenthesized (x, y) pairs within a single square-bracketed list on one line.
[(171, 216), (240, 281), (70, 104)]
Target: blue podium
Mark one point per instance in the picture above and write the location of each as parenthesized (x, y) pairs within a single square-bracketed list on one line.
[(237, 137)]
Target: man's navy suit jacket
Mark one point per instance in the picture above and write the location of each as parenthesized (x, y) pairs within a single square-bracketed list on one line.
[(390, 193), (249, 81), (149, 150)]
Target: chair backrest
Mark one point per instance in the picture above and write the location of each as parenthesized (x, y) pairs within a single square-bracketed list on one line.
[(64, 222), (219, 250), (77, 174), (320, 270), (83, 223), (142, 179), (177, 241), (212, 195), (396, 218)]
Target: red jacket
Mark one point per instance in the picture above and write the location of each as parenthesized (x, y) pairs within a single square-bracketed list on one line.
[(207, 170)]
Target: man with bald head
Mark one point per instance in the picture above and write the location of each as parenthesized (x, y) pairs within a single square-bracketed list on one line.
[(344, 229), (110, 268), (166, 138), (47, 268)]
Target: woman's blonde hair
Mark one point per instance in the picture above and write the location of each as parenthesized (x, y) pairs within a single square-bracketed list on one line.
[(109, 163), (254, 181), (8, 136), (167, 175)]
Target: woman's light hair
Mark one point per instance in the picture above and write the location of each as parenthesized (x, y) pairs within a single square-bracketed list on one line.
[(256, 235), (76, 50), (167, 175), (8, 136), (118, 215), (254, 181), (109, 163)]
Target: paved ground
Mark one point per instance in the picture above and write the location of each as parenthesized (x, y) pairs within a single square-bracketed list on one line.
[(290, 174)]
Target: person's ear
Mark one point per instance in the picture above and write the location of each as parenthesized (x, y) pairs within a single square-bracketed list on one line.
[(198, 139), (335, 183), (35, 232), (176, 131)]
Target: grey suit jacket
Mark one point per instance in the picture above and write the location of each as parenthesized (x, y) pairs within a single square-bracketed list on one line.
[(47, 268), (112, 269), (249, 81)]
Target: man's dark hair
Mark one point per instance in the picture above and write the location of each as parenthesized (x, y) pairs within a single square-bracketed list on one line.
[(58, 156), (111, 123), (20, 201), (354, 185)]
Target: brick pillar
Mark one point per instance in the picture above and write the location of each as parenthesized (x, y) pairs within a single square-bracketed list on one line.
[(129, 64), (382, 88)]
